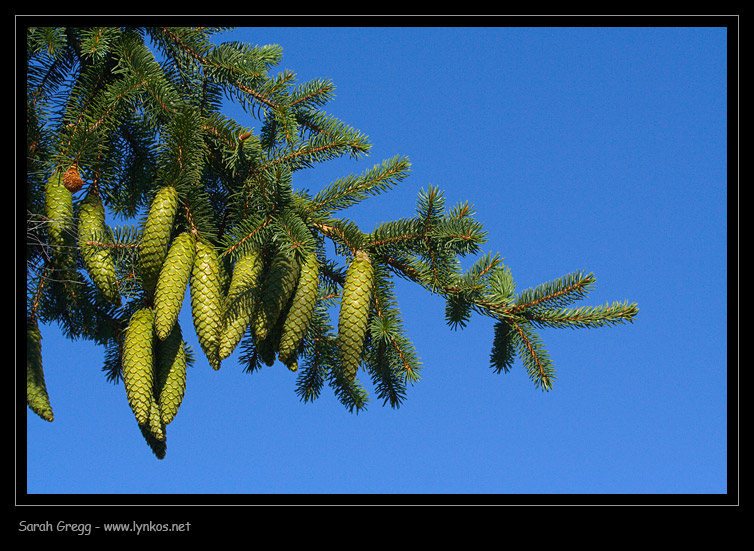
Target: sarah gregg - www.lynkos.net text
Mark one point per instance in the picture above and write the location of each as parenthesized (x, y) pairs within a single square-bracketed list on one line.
[(86, 528)]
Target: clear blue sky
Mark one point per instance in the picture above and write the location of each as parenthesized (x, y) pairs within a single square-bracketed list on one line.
[(602, 149)]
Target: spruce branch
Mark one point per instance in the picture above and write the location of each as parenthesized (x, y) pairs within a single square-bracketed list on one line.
[(141, 72), (386, 375), (555, 294), (247, 234), (50, 62), (503, 352), (350, 393), (99, 100), (387, 332), (585, 317), (289, 231), (320, 355), (347, 192), (96, 42), (312, 95), (317, 149), (533, 355)]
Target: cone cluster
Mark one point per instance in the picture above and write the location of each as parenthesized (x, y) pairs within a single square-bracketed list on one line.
[(241, 301), (274, 302), (276, 291), (91, 232), (300, 312), (272, 295)]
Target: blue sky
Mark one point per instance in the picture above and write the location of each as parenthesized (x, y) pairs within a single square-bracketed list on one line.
[(596, 149)]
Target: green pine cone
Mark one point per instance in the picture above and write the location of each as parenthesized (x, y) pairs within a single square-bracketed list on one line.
[(155, 424), (170, 374), (156, 236), (36, 390), (207, 301), (138, 374), (354, 312), (97, 259), (172, 283), (276, 291), (158, 447), (292, 365), (266, 348), (60, 227), (301, 310), (269, 346), (240, 304)]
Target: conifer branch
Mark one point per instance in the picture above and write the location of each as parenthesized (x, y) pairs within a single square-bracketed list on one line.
[(313, 94), (387, 327), (241, 236), (319, 357), (556, 293), (98, 100), (346, 192), (534, 356), (586, 316)]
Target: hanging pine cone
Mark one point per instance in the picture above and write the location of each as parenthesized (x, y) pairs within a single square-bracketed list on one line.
[(241, 301), (156, 236), (138, 374), (36, 391), (170, 374), (354, 312), (72, 179), (59, 212), (301, 311), (207, 301), (172, 282), (98, 258), (276, 291)]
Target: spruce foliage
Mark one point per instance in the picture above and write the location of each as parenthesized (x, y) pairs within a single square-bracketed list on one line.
[(137, 111)]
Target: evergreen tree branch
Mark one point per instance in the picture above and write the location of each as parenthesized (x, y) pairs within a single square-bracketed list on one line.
[(387, 330), (235, 65), (348, 191), (533, 355), (585, 317), (320, 355), (503, 352), (557, 293), (312, 95), (98, 100)]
